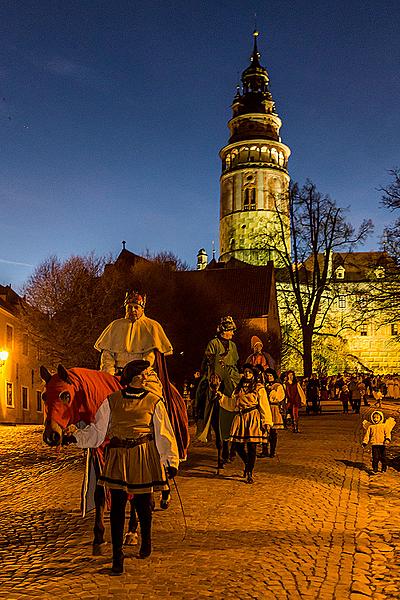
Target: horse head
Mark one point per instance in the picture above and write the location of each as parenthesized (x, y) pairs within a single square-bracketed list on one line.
[(59, 399)]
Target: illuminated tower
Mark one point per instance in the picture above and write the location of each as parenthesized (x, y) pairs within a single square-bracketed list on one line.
[(254, 180)]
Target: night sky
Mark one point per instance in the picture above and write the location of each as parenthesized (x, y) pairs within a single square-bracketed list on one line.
[(112, 115)]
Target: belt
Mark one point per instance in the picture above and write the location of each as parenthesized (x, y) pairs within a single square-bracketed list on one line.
[(243, 411), (130, 442)]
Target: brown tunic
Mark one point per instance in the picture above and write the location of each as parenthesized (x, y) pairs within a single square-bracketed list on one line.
[(138, 469)]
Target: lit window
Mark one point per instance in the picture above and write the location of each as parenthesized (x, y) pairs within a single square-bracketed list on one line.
[(342, 302), (364, 329), (9, 394), (340, 271), (394, 329), (24, 396), (249, 198)]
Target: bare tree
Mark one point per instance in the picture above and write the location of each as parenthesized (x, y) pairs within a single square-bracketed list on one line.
[(391, 199), (61, 308), (318, 229)]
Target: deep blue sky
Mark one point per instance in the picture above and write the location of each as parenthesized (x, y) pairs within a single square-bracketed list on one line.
[(112, 115)]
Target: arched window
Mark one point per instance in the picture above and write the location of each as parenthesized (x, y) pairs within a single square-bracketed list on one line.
[(249, 198)]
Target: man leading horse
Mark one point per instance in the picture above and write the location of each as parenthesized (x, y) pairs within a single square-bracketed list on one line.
[(137, 337)]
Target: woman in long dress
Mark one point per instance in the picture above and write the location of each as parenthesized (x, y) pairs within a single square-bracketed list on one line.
[(295, 398)]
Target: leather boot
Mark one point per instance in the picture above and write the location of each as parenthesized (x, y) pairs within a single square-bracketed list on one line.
[(249, 477), (143, 507)]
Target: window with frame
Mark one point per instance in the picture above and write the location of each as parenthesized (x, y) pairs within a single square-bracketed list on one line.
[(39, 405), (9, 337), (342, 302), (9, 395), (24, 397), (364, 329), (340, 272), (25, 344), (249, 198), (394, 329)]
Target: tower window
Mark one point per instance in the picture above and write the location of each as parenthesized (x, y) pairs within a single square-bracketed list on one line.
[(394, 329), (249, 198)]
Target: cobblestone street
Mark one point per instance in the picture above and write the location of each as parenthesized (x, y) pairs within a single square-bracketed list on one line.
[(315, 524)]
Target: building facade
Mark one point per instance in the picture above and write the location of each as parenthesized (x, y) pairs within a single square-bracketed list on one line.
[(253, 186), (255, 180), (20, 383)]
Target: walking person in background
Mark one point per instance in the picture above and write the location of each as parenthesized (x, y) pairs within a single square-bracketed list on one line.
[(276, 397), (295, 398), (312, 393), (378, 433), (344, 397), (252, 420)]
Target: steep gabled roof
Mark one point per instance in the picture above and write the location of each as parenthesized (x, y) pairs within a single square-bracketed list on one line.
[(9, 299)]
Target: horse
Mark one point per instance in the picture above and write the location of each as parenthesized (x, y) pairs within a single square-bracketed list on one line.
[(72, 396)]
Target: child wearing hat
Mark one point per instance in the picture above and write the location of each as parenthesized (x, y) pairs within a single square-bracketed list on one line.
[(378, 433)]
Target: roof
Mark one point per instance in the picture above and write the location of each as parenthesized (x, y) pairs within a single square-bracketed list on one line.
[(358, 266), (243, 292), (361, 266), (9, 299)]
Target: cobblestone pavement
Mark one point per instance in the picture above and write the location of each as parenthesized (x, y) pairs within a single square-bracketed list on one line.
[(314, 525)]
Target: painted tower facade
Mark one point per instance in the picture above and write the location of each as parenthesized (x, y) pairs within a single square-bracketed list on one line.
[(254, 180)]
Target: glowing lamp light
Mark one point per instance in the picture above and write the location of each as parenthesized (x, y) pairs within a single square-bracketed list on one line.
[(3, 357)]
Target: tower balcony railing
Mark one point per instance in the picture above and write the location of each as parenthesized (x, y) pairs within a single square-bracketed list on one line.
[(255, 155), (253, 164)]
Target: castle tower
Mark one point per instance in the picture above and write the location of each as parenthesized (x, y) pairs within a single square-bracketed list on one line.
[(254, 180)]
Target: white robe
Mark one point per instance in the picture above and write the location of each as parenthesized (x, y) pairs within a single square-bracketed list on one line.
[(124, 340)]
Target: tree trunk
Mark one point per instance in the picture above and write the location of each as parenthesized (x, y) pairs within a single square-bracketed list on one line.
[(307, 352)]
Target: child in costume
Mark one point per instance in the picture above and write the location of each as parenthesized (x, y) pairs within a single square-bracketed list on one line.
[(378, 433)]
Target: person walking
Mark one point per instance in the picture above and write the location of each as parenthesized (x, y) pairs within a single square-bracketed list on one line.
[(344, 397), (220, 358), (141, 454), (276, 398), (378, 433), (252, 420), (295, 398), (313, 393)]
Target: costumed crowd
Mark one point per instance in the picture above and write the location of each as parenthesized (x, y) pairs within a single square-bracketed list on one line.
[(144, 425)]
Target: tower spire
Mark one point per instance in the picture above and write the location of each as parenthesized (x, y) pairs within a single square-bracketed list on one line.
[(255, 57), (254, 180)]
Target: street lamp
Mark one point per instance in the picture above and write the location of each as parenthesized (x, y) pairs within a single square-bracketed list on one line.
[(3, 357)]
